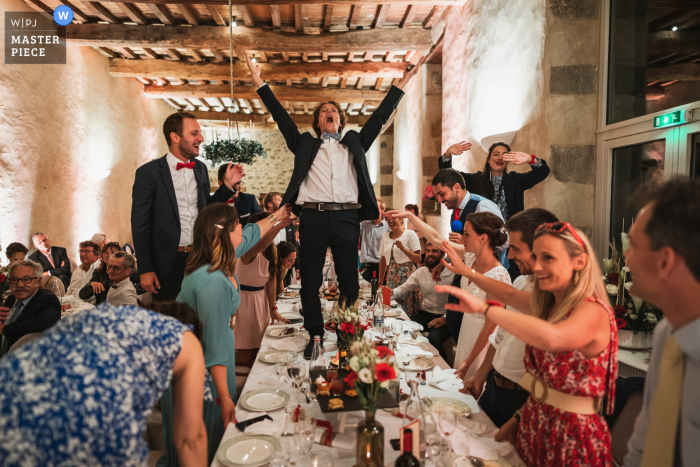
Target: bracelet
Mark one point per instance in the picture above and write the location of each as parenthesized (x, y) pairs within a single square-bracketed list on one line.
[(517, 415), (534, 159), (273, 219), (488, 306), (473, 274)]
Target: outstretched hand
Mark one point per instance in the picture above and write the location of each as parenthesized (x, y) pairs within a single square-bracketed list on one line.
[(234, 174), (458, 148), (467, 302), (456, 264), (254, 69), (407, 75), (517, 158), (397, 214)]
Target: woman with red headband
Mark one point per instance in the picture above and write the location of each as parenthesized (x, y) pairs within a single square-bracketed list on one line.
[(571, 353)]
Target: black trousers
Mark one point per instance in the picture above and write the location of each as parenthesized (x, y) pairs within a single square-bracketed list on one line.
[(318, 230), (170, 285), (370, 270), (501, 404), (436, 336)]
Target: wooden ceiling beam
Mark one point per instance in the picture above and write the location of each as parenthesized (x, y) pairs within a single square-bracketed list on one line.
[(218, 56), (196, 55), (127, 52), (133, 12), (162, 13), (408, 17), (327, 17), (77, 12), (214, 12), (434, 14), (188, 13), (298, 18), (103, 13), (283, 93), (380, 17), (276, 17), (240, 3), (175, 55), (269, 71), (669, 41), (247, 16), (354, 16), (266, 119), (150, 53), (207, 37)]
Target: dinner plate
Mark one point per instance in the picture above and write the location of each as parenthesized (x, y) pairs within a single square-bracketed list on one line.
[(276, 332), (461, 408), (247, 450), (274, 356), (391, 312), (417, 363), (293, 295), (294, 287), (262, 400), (291, 315)]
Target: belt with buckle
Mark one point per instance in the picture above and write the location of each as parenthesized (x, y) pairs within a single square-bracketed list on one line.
[(185, 249), (543, 394), (505, 383), (331, 206)]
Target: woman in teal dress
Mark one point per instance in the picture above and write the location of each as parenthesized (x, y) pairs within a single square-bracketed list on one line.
[(211, 288)]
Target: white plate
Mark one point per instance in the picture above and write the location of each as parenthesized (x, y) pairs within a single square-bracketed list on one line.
[(291, 315), (277, 332), (461, 408), (294, 296), (418, 363), (247, 450), (294, 287), (392, 312), (262, 400), (274, 356)]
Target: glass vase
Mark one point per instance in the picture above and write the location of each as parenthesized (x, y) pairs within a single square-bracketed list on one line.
[(370, 442)]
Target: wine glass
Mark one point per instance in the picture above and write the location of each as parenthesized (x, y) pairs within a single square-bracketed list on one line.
[(296, 371), (447, 424), (307, 422), (396, 328), (57, 290), (303, 441), (388, 331), (321, 459), (281, 456)]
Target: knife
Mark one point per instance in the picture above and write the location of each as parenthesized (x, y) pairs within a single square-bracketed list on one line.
[(243, 425)]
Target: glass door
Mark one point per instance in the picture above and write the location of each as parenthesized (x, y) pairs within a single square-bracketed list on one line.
[(689, 150)]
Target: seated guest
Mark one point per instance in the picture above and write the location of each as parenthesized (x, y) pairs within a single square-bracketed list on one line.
[(400, 250), (89, 255), (53, 259), (122, 292), (245, 203), (432, 306), (271, 203), (29, 308), (664, 261), (95, 291), (371, 232), (409, 225), (503, 365), (16, 252), (81, 394), (100, 239), (257, 270), (286, 256)]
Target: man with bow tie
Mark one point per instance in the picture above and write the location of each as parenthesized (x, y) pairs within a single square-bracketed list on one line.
[(330, 190), (168, 194), (122, 291)]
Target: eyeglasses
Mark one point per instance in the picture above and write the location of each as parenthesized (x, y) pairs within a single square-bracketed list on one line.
[(85, 251), (559, 227), (25, 280), (113, 268)]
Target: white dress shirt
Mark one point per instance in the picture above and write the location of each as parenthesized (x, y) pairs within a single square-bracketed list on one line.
[(185, 185), (687, 446), (122, 293), (408, 238), (370, 250), (80, 278), (422, 279), (280, 237), (510, 351), (331, 178)]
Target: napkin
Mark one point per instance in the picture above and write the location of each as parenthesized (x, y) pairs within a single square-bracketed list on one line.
[(410, 325), (267, 427), (444, 379), (295, 344), (404, 350), (343, 441), (465, 445)]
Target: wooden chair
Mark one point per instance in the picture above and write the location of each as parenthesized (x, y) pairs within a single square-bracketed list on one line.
[(24, 340)]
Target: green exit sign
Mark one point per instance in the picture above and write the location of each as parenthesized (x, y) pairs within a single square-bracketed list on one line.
[(672, 118)]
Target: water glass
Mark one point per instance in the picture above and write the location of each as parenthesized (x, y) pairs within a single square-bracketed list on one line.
[(396, 328), (447, 424), (321, 459), (303, 442), (281, 456)]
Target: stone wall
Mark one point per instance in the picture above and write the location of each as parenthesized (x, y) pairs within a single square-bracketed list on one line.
[(71, 139)]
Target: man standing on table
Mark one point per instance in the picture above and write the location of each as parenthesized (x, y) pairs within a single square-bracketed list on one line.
[(331, 191), (168, 194)]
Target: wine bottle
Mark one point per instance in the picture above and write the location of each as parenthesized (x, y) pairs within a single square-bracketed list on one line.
[(407, 459), (374, 283)]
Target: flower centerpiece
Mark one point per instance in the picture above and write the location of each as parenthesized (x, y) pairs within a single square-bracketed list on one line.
[(348, 328), (237, 151), (373, 368), (635, 318), (4, 284)]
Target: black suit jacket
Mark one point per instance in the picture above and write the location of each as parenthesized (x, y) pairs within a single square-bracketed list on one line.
[(60, 259), (514, 183), (305, 147), (42, 312), (155, 219), (246, 204)]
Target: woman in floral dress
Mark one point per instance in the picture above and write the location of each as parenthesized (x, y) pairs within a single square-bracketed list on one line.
[(400, 252), (570, 357)]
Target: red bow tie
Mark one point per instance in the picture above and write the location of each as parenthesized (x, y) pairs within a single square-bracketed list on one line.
[(231, 201), (189, 165)]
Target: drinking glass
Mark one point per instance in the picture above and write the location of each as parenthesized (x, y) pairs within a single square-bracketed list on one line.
[(281, 363), (396, 328), (321, 459), (388, 331), (433, 449), (447, 424), (297, 371), (303, 441), (281, 456), (57, 290), (307, 421)]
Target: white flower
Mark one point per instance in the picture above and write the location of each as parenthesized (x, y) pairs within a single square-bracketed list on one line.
[(355, 363), (384, 384), (607, 266), (365, 376), (637, 302), (626, 268), (347, 319), (651, 317), (611, 289), (628, 285), (625, 242)]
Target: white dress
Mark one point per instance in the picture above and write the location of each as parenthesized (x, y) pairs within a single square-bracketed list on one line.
[(472, 323)]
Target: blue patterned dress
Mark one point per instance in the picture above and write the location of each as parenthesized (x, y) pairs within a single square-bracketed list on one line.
[(81, 394)]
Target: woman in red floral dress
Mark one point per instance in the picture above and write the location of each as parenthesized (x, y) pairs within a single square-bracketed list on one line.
[(570, 357)]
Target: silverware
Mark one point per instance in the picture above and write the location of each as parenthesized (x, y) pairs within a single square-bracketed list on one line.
[(476, 462), (308, 400)]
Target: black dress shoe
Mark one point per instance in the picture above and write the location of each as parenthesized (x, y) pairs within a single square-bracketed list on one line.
[(310, 347)]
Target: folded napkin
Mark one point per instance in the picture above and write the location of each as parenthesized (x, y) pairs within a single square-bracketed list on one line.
[(445, 379), (485, 436), (404, 350), (266, 427)]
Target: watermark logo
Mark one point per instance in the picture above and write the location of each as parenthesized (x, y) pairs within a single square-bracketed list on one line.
[(63, 15), (33, 38)]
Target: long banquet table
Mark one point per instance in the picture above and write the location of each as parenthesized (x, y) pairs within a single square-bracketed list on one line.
[(263, 376)]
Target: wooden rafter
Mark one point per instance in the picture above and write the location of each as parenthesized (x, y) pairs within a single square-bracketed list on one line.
[(214, 12), (218, 56), (327, 17), (162, 13), (408, 16), (673, 41), (174, 54), (150, 53), (247, 16), (188, 13), (435, 13), (276, 17), (380, 17), (103, 13), (77, 12), (283, 93), (298, 18), (262, 119), (133, 12), (127, 52), (677, 71), (196, 55), (354, 16)]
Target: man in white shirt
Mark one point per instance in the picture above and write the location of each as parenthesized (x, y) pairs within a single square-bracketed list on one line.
[(370, 242), (503, 366), (432, 306), (330, 190), (168, 194), (122, 292), (89, 254)]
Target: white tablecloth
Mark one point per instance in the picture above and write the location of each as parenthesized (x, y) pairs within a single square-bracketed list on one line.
[(263, 376)]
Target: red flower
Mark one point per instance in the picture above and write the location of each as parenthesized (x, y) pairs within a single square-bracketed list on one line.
[(621, 323), (350, 378), (347, 328), (619, 311), (3, 277), (384, 372), (384, 351), (363, 326), (428, 193), (613, 278)]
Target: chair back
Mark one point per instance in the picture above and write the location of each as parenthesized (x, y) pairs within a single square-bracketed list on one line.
[(47, 283), (24, 340)]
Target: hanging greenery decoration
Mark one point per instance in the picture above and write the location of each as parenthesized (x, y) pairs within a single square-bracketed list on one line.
[(238, 151)]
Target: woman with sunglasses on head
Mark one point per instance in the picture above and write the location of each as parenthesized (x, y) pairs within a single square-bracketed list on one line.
[(483, 233), (570, 356), (212, 290), (506, 189)]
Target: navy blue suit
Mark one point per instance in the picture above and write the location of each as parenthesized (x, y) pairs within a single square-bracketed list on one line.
[(246, 204), (39, 314), (155, 221), (60, 260)]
